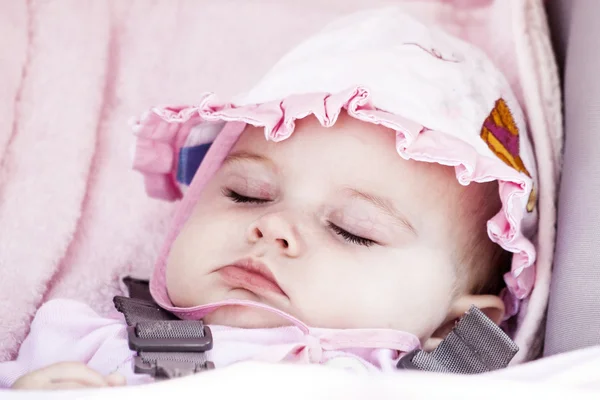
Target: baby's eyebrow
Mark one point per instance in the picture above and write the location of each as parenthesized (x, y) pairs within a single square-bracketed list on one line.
[(247, 156), (386, 206)]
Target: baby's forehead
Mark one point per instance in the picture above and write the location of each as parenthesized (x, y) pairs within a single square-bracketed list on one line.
[(357, 153), (348, 138)]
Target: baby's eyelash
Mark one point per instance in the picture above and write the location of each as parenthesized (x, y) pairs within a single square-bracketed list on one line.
[(239, 198), (349, 237)]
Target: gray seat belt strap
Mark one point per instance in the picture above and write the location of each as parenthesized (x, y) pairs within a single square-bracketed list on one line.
[(166, 346), (475, 345)]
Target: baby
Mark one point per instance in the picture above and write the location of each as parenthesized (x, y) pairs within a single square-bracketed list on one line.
[(384, 214), (332, 241)]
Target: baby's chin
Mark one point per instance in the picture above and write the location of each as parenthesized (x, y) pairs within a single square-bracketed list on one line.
[(245, 317)]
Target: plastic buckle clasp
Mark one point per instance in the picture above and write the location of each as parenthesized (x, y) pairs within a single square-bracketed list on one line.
[(167, 369), (170, 345)]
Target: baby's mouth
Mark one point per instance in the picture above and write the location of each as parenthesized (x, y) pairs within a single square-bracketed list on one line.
[(251, 275)]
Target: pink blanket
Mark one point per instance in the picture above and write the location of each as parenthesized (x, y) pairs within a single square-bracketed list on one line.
[(74, 218)]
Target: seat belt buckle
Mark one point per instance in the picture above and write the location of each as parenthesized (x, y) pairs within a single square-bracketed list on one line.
[(170, 345), (168, 369)]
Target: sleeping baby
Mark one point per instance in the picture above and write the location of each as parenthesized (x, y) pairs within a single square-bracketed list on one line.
[(348, 209)]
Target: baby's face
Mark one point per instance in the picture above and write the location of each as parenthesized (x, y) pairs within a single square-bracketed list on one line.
[(351, 235)]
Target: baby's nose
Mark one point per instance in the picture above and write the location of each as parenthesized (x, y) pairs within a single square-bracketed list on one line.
[(275, 229)]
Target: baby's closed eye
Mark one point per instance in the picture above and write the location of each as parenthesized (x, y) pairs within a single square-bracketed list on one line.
[(350, 237)]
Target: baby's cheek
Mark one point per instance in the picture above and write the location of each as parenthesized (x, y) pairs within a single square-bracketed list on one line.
[(422, 287), (186, 262)]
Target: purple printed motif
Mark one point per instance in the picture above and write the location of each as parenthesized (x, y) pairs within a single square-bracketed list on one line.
[(504, 136), (501, 134)]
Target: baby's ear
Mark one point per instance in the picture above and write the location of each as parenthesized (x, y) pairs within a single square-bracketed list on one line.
[(491, 306)]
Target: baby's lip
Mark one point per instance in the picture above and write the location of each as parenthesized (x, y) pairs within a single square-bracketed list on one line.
[(252, 275)]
